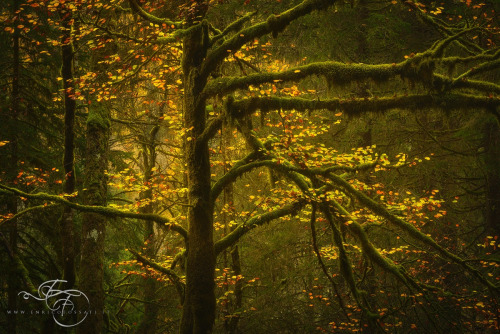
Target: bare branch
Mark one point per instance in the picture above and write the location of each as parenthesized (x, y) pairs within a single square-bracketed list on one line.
[(172, 275)]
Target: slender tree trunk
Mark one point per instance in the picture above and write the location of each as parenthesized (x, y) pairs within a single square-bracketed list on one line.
[(199, 305), (231, 322), (93, 228), (491, 143), (67, 227), (148, 323), (13, 279)]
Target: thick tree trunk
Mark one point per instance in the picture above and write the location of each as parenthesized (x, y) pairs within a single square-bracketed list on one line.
[(93, 229), (199, 305)]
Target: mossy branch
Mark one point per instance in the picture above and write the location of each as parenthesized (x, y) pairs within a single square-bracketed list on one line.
[(177, 35), (368, 248), (211, 129), (231, 176), (150, 17), (274, 24), (381, 211), (451, 101), (236, 25), (336, 71), (342, 73), (103, 210), (477, 85), (438, 49), (172, 275), (25, 211), (240, 230), (322, 263), (481, 68)]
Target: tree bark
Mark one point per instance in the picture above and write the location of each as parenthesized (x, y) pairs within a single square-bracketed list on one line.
[(66, 224), (491, 144), (13, 279), (199, 305), (93, 225), (149, 320)]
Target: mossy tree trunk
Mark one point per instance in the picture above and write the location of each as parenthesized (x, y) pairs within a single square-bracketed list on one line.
[(199, 305), (93, 228)]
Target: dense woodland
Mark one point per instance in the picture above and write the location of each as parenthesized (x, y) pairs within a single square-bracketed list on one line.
[(250, 166)]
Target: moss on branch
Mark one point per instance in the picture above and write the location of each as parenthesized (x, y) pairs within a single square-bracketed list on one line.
[(103, 210), (450, 101), (150, 17), (336, 72), (234, 26), (381, 211), (242, 229)]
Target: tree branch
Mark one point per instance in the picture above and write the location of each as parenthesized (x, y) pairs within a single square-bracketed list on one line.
[(152, 18), (172, 275), (274, 24), (334, 71), (259, 220), (103, 210), (452, 101)]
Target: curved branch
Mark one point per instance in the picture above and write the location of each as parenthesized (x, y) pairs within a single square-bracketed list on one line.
[(481, 68), (259, 220), (174, 278), (312, 224), (23, 212), (103, 210), (151, 18), (236, 25), (233, 174), (407, 227), (274, 24)]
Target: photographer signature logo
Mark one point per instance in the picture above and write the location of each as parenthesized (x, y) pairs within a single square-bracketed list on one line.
[(61, 303)]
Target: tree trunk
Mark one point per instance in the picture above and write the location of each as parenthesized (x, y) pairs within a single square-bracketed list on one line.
[(13, 279), (199, 305), (93, 228), (66, 227), (149, 320), (491, 144), (231, 317)]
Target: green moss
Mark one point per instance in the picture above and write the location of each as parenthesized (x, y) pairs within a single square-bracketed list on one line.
[(98, 117)]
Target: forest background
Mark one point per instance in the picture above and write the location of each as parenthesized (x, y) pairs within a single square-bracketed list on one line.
[(250, 166)]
